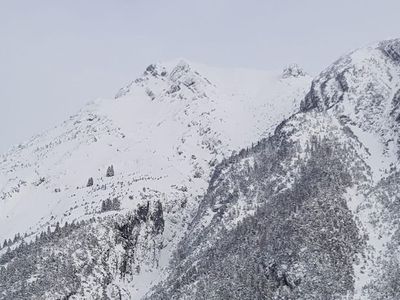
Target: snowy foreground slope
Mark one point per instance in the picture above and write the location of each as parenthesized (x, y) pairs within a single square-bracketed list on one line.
[(95, 207), (225, 185)]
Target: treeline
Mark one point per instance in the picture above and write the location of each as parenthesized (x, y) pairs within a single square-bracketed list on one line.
[(44, 236)]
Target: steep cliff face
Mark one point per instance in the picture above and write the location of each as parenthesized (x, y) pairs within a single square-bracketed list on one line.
[(311, 212)]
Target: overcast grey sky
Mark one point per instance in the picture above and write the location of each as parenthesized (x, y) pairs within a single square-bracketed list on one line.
[(57, 55)]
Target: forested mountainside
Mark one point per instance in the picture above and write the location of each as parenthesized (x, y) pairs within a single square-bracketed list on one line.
[(311, 212), (95, 207), (199, 183)]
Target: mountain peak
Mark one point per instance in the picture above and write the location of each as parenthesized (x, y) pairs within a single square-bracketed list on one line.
[(293, 70), (358, 71), (362, 90), (181, 68), (173, 73), (165, 68)]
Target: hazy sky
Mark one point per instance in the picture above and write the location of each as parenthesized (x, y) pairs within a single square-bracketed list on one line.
[(57, 55)]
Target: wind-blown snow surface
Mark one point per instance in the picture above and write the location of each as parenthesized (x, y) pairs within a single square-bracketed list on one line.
[(164, 133)]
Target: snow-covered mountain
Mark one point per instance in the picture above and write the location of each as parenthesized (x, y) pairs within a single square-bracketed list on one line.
[(96, 206), (200, 183)]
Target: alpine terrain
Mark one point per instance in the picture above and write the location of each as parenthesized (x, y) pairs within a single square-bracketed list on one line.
[(95, 208), (202, 183)]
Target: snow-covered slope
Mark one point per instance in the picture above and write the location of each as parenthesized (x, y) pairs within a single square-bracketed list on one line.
[(163, 134)]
